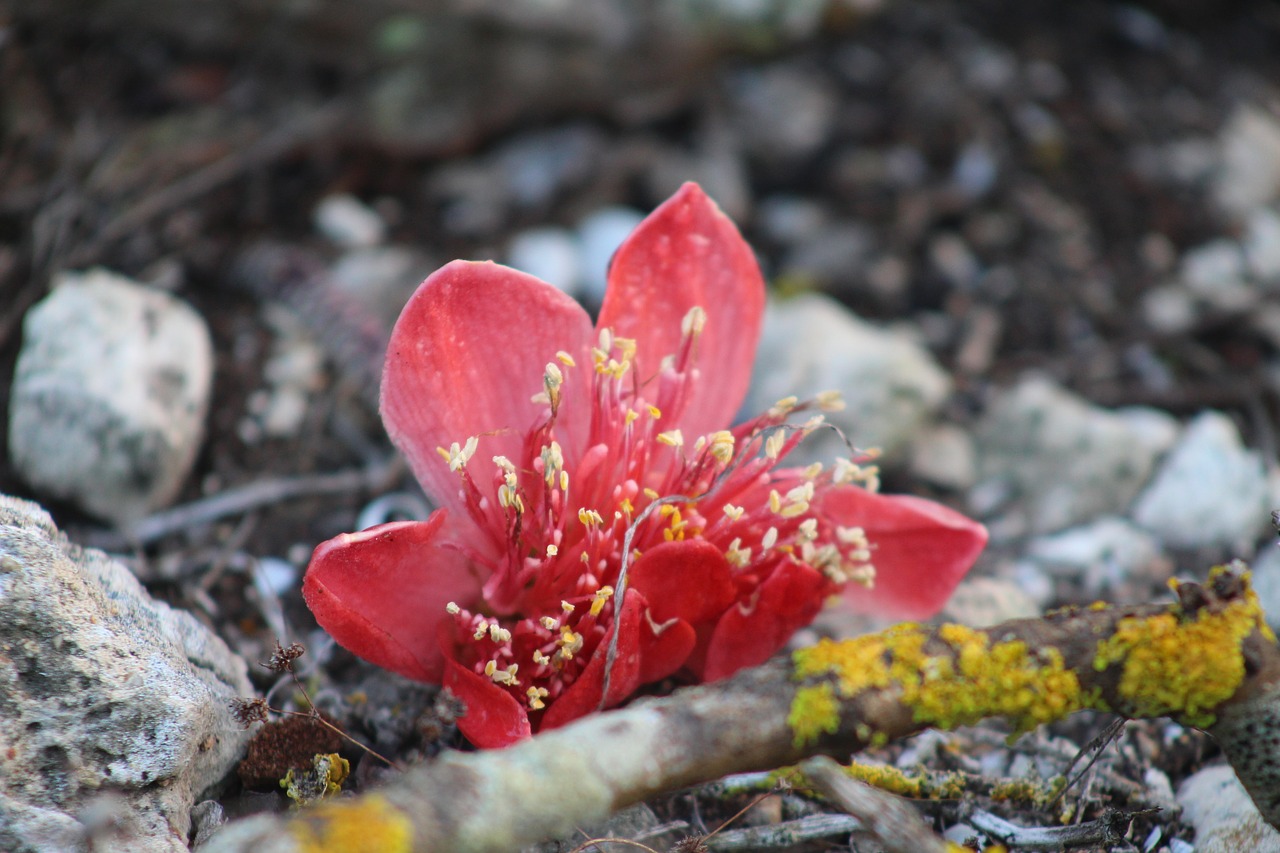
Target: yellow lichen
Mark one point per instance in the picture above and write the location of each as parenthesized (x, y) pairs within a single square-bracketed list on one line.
[(1179, 665), (814, 712), (934, 786), (364, 823)]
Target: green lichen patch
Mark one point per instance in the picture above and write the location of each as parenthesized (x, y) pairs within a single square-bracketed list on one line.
[(920, 786), (814, 712)]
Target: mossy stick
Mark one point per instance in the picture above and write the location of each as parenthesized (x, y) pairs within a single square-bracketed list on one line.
[(1206, 660)]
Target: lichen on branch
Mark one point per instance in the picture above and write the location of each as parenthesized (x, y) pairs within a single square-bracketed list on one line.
[(1208, 659)]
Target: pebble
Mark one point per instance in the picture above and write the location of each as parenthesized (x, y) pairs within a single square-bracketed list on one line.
[(1262, 247), (292, 373), (109, 395), (1215, 273), (1248, 174), (1051, 460), (829, 255), (599, 236), (782, 113), (983, 602), (1224, 817), (892, 387), (106, 692), (1104, 553), (1211, 491), (347, 222), (552, 254), (1266, 582), (534, 167), (944, 455)]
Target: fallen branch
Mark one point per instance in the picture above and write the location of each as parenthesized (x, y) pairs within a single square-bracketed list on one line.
[(1207, 660)]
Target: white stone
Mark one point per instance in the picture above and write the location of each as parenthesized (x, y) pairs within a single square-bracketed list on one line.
[(348, 222), (1266, 582), (1225, 818), (109, 395), (1248, 174), (1210, 491), (944, 455), (982, 602), (551, 254), (891, 385), (599, 236), (1262, 247), (1057, 461), (105, 692), (1215, 272)]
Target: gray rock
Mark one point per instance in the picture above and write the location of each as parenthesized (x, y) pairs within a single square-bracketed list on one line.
[(944, 455), (1054, 460), (1266, 582), (380, 279), (109, 395), (1225, 818), (981, 602), (113, 706), (1215, 273), (1248, 173), (892, 387), (1105, 552), (1211, 491)]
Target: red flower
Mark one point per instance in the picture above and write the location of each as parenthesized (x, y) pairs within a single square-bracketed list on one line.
[(504, 593)]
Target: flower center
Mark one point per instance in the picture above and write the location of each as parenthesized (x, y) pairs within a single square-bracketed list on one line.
[(561, 528)]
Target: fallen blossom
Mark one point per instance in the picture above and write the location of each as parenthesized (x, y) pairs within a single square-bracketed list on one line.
[(551, 445)]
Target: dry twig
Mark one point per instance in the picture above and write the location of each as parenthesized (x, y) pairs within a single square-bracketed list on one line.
[(1207, 660)]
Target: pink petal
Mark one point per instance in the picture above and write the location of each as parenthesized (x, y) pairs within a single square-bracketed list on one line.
[(382, 592), (494, 717), (467, 353), (685, 254), (753, 631), (921, 550), (688, 580)]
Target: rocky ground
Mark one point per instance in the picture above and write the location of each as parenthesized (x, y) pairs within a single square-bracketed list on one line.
[(1036, 245)]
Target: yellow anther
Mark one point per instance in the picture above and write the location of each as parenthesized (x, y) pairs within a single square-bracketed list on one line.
[(566, 359), (539, 658), (655, 412), (773, 444), (626, 348), (631, 416), (505, 464), (783, 406), (722, 446), (626, 506), (589, 517), (550, 623), (830, 401), (570, 643), (552, 550), (852, 535), (452, 608), (737, 555), (812, 471), (490, 668), (650, 494), (803, 492), (795, 510), (694, 322), (814, 422), (552, 379), (502, 676), (564, 481), (809, 529), (672, 439), (499, 634), (566, 607), (734, 512), (552, 463), (597, 602), (606, 340), (459, 455), (770, 538), (536, 695), (775, 501), (482, 630)]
